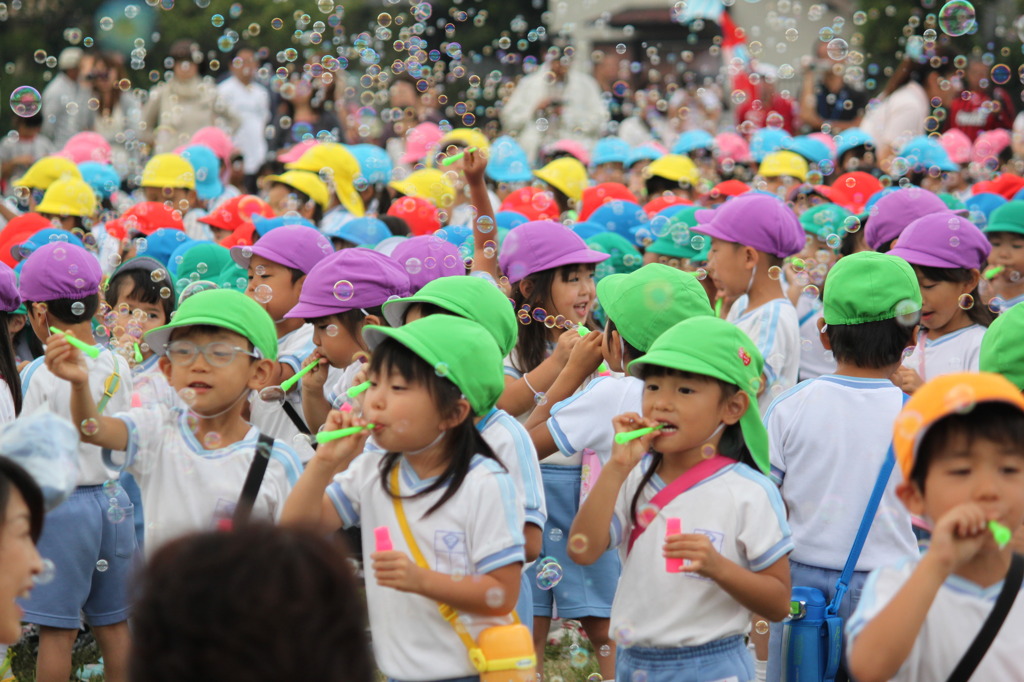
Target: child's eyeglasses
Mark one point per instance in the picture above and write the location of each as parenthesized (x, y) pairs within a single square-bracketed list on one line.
[(218, 353)]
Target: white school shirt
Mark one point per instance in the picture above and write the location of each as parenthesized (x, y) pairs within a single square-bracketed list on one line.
[(827, 439), (953, 620), (584, 421), (740, 511), (44, 391), (269, 417), (954, 352), (7, 411), (511, 443), (187, 488), (814, 359), (478, 530), (339, 381), (150, 385), (775, 330)]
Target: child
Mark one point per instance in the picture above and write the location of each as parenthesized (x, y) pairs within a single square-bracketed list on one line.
[(894, 211), (438, 489), (699, 379), (1005, 231), (70, 204), (342, 294), (276, 268), (92, 555), (671, 174), (169, 177), (192, 460), (639, 306), (1001, 349), (751, 234), (959, 444), (948, 253), (870, 309), (10, 391), (780, 172), (299, 192)]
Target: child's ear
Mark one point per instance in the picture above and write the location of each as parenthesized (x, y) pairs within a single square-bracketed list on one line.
[(822, 335), (165, 366), (751, 256), (372, 319), (970, 284), (260, 374), (526, 288), (912, 497), (735, 407), (459, 414)]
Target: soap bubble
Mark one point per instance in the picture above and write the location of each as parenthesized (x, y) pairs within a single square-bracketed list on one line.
[(494, 597), (441, 369), (761, 627), (344, 290), (46, 574), (957, 18), (838, 49), (578, 543), (112, 488), (966, 302), (115, 514), (77, 308), (90, 426), (102, 565), (578, 657), (26, 101), (263, 294), (212, 440), (1000, 74), (775, 272), (549, 574), (555, 535)]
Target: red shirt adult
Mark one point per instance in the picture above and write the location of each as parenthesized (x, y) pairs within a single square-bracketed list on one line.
[(976, 112)]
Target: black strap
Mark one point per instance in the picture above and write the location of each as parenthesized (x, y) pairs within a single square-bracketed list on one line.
[(289, 410), (253, 480), (1011, 587)]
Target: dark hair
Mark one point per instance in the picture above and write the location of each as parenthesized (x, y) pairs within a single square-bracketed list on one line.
[(1000, 423), (531, 345), (13, 475), (33, 121), (351, 319), (852, 241), (140, 284), (911, 69), (260, 602), (872, 345), (318, 211), (631, 351), (657, 185), (978, 313), (62, 308), (463, 441), (426, 309), (181, 51), (9, 364), (730, 445), (398, 226)]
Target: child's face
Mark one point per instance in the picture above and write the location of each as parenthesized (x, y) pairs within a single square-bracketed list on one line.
[(271, 285), (692, 409), (135, 317), (180, 198), (982, 472), (210, 388), (729, 268), (405, 414), (334, 342), (1008, 251), (573, 296), (940, 303), (610, 172)]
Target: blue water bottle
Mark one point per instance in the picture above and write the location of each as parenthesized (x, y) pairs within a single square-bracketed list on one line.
[(805, 637)]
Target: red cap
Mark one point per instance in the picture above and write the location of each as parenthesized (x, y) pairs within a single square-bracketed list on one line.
[(852, 190), (146, 217), (17, 231), (418, 213), (656, 206), (597, 196), (729, 188), (1006, 185), (235, 215), (532, 202)]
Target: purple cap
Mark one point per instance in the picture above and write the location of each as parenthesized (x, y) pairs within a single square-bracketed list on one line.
[(943, 240), (427, 258), (10, 299), (892, 213), (350, 279), (757, 220), (59, 270), (294, 246), (541, 245)]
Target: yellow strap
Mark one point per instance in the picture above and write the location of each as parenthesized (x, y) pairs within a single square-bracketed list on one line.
[(110, 387)]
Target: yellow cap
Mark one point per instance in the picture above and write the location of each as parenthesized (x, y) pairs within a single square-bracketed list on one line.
[(567, 175), (470, 137), (169, 171), (427, 183), (783, 163), (674, 167), (48, 170), (343, 169), (940, 397), (307, 182), (68, 196)]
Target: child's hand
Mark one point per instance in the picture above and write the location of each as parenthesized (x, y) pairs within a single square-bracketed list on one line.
[(65, 361), (587, 354), (396, 570), (340, 452), (959, 535), (316, 378), (567, 340), (906, 379), (704, 558), (473, 166), (628, 454)]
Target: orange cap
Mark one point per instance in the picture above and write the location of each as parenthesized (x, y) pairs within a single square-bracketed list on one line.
[(941, 397)]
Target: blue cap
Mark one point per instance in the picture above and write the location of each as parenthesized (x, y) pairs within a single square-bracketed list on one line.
[(610, 150), (851, 138), (42, 237), (980, 206), (812, 149), (620, 217), (101, 177), (161, 244), (693, 139), (508, 162), (455, 234), (645, 152), (364, 231), (506, 220), (264, 225), (923, 153), (374, 163), (178, 255), (768, 140), (207, 170), (586, 229)]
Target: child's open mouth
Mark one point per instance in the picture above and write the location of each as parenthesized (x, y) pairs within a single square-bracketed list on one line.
[(200, 386), (666, 428), (581, 309)]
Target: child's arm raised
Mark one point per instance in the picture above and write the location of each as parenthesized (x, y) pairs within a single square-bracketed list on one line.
[(886, 641), (594, 519), (66, 362), (490, 594), (314, 406), (518, 396), (484, 260), (584, 360)]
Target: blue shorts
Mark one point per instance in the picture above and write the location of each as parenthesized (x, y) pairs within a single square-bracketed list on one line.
[(77, 537), (823, 579), (524, 607), (584, 590), (724, 659)]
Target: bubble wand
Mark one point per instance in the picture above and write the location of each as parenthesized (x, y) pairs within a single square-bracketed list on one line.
[(455, 158), (91, 351), (328, 436), (993, 272), (583, 331), (271, 393), (626, 436), (357, 389), (1001, 533)]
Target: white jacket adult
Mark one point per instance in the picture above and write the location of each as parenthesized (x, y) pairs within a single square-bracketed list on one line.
[(178, 108)]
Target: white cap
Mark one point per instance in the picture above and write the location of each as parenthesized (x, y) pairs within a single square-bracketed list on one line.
[(70, 58)]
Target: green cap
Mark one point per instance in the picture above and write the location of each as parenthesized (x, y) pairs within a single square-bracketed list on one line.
[(231, 310), (1007, 218), (715, 348), (1001, 348), (467, 296), (679, 241), (205, 261), (625, 257), (646, 303), (458, 349), (951, 202), (827, 223), (869, 287)]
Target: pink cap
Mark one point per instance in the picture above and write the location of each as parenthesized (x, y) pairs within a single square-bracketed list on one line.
[(296, 151), (87, 146), (990, 145), (827, 140), (572, 147), (732, 146), (957, 145), (421, 141), (217, 140)]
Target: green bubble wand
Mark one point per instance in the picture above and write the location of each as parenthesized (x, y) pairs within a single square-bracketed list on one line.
[(1001, 533), (993, 272), (455, 158), (91, 351), (328, 436), (626, 436)]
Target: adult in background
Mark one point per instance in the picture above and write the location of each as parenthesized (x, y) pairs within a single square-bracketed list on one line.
[(983, 105), (827, 98), (119, 116), (250, 101), (65, 100)]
